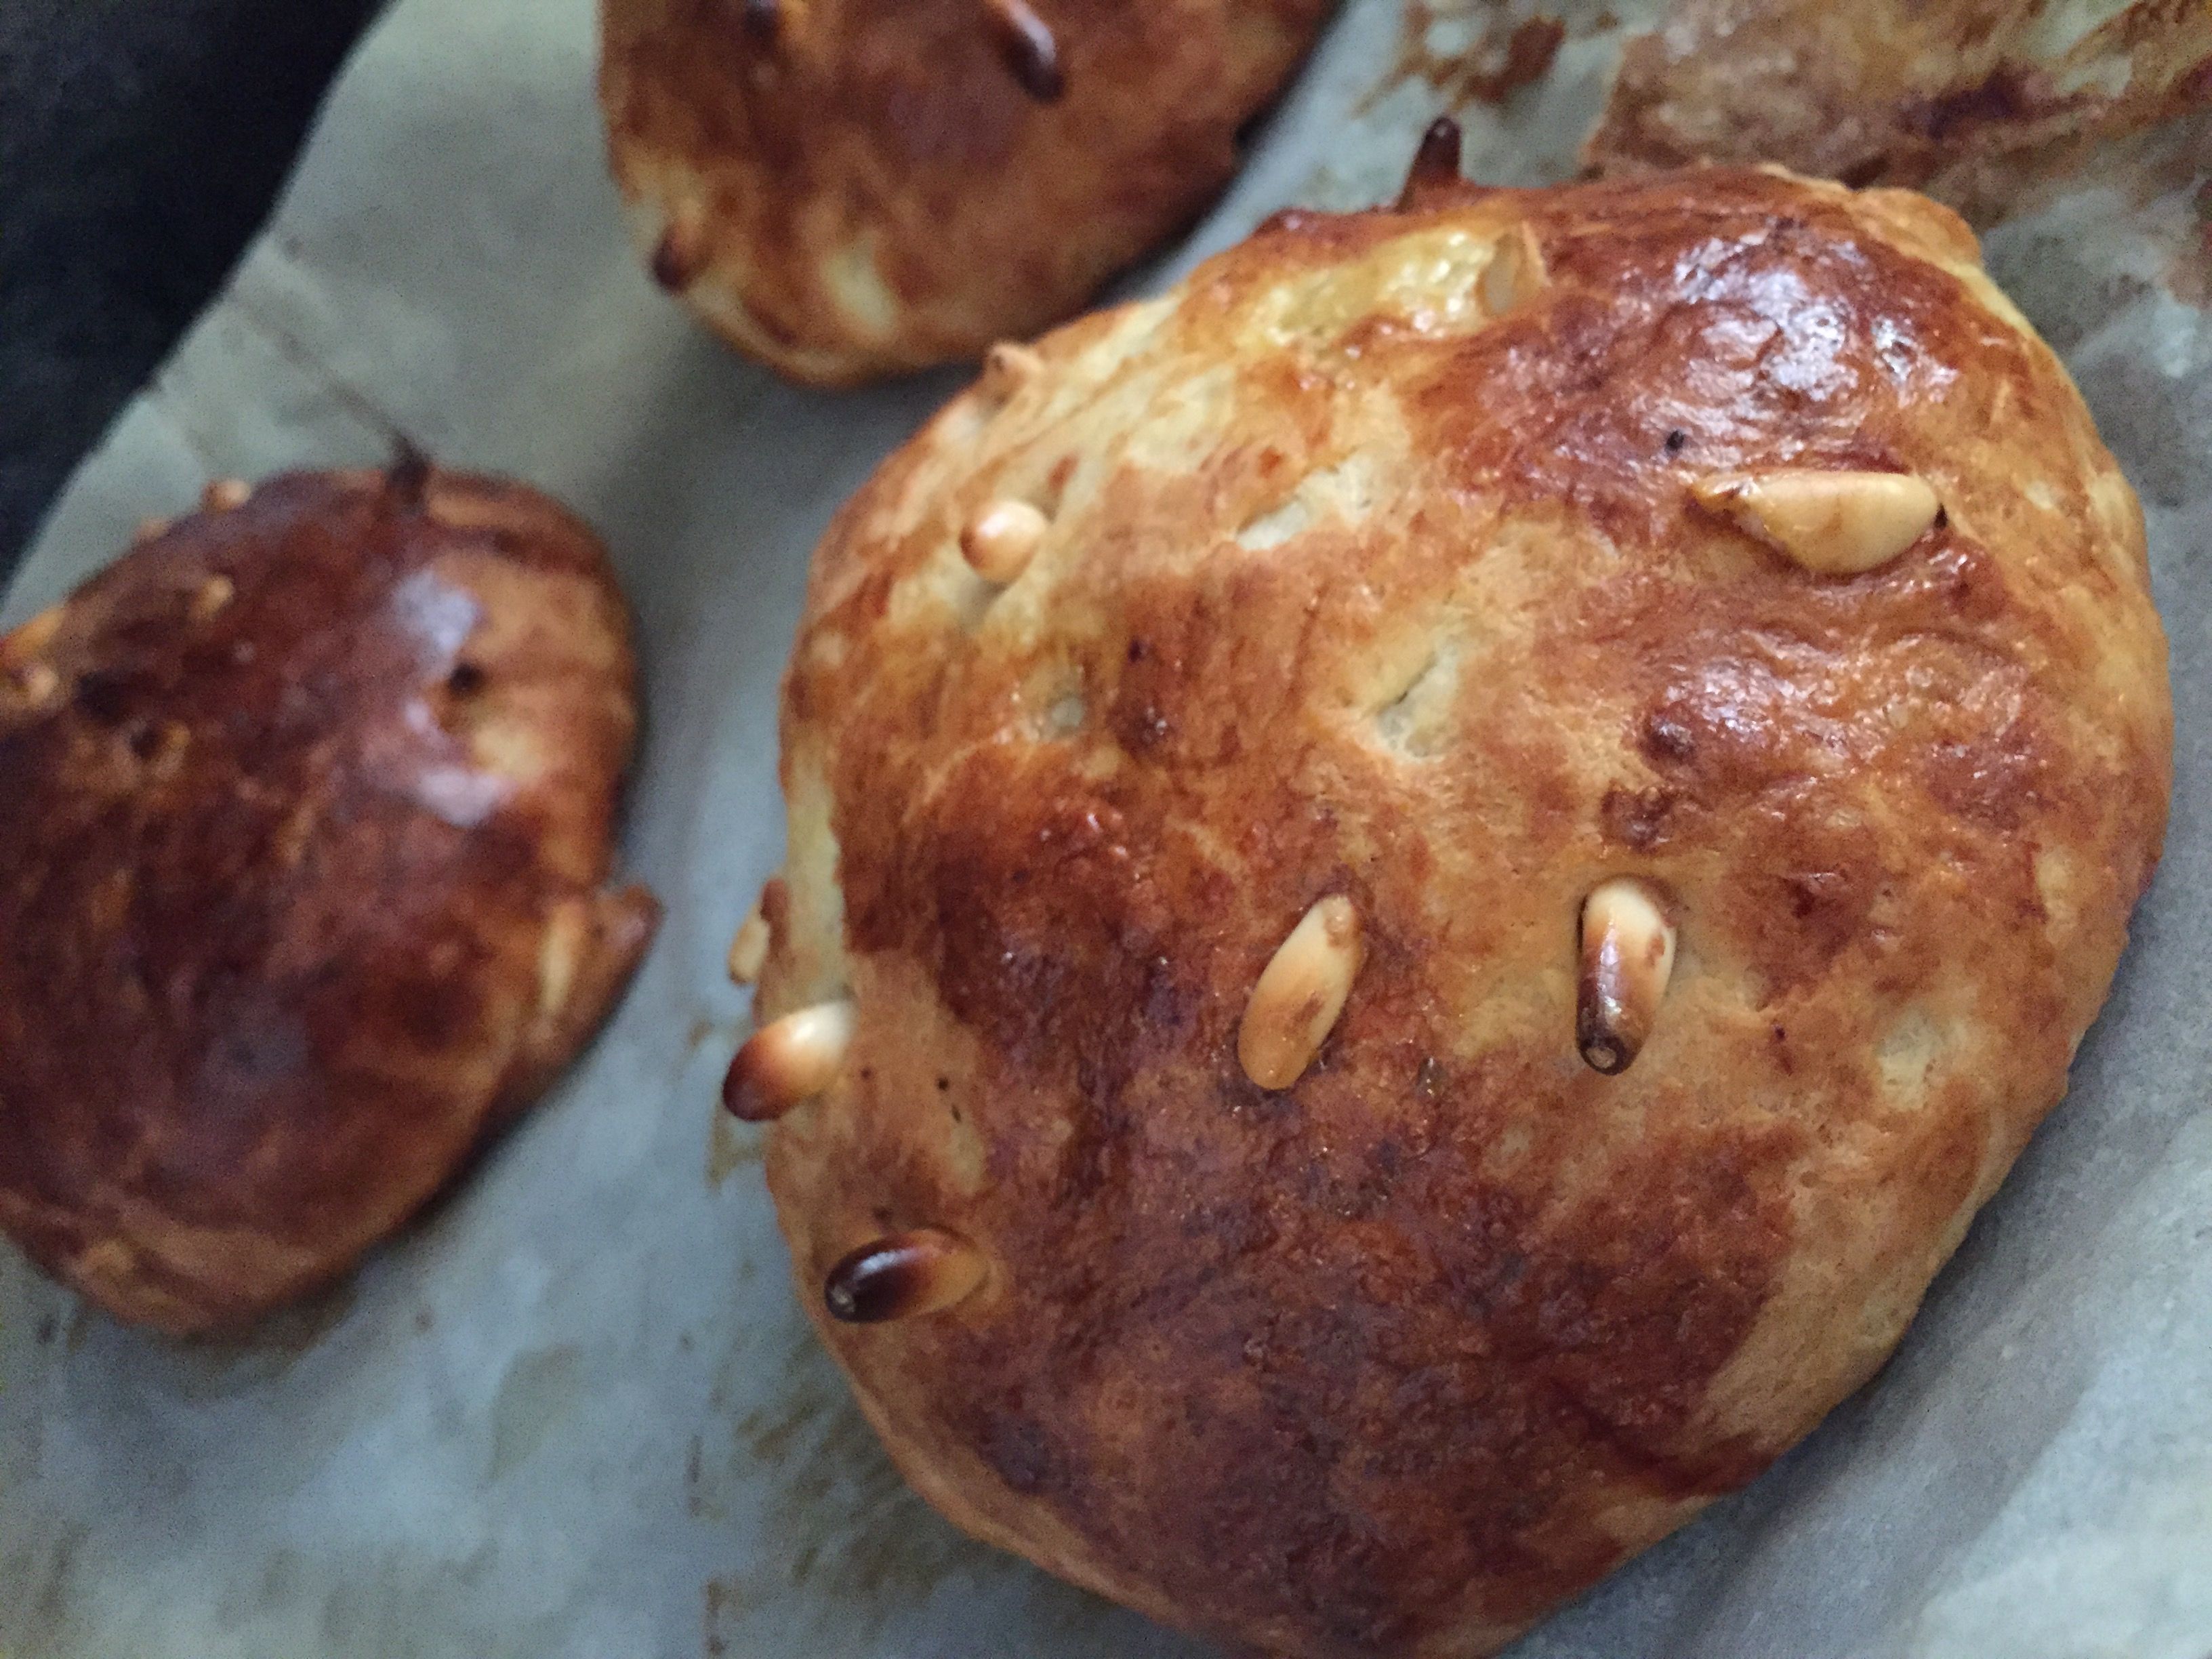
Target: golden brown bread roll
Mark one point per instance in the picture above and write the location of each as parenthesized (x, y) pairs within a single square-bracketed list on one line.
[(847, 190), (1970, 101), (303, 878), (1420, 984)]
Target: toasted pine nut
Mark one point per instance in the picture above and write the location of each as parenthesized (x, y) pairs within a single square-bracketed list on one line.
[(788, 1061), (1436, 162), (1834, 523), (903, 1276), (679, 257), (36, 683), (762, 20), (1628, 955), (748, 949), (1300, 994), (214, 593), (1001, 541), (1007, 367), (1516, 273), (1028, 49), (226, 494)]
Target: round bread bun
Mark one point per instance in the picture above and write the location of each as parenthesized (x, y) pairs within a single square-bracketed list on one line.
[(1363, 609), (847, 190), (302, 878)]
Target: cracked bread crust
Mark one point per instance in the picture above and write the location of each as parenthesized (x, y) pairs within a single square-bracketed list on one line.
[(1364, 576)]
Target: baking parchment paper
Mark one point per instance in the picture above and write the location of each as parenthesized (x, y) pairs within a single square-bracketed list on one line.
[(577, 1414)]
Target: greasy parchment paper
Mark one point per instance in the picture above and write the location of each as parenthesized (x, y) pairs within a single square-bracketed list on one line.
[(577, 1414)]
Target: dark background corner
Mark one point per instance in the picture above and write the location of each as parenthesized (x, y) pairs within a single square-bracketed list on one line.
[(141, 144)]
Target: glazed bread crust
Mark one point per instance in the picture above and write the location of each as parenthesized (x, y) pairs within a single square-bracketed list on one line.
[(846, 190), (1403, 557), (302, 878)]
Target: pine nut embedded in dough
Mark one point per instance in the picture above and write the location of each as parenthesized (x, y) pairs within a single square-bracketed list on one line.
[(226, 494), (788, 1061), (1436, 162), (37, 684), (763, 20), (1835, 524), (748, 949), (903, 1276), (1300, 994), (1628, 955), (1516, 273), (1028, 49), (1007, 367), (215, 593), (1001, 541), (151, 529), (679, 257)]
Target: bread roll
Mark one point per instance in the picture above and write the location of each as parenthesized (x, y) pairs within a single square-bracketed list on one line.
[(847, 190), (306, 854), (1422, 985), (1977, 102)]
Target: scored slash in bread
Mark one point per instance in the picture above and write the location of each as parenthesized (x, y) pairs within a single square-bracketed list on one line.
[(1454, 978), (303, 877)]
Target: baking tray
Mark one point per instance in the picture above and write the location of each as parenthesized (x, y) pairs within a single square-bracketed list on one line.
[(577, 1414)]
